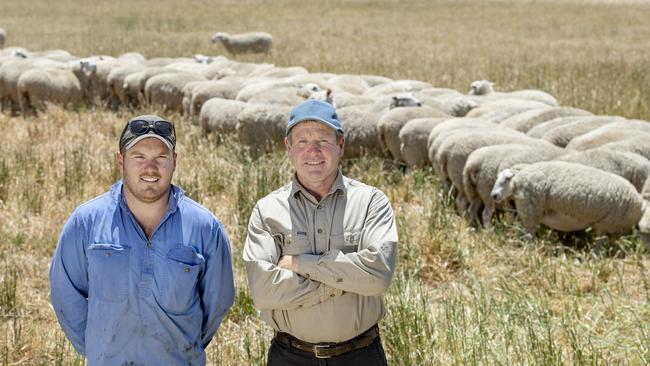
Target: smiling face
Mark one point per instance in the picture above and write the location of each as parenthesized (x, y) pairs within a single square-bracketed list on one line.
[(147, 170), (315, 152)]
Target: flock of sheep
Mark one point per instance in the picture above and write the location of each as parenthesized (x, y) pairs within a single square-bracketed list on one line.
[(562, 167)]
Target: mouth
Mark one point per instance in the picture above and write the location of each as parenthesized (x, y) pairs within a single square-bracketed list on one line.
[(149, 179), (314, 163)]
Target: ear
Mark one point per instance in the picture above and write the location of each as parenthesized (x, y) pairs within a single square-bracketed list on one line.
[(175, 156), (341, 147), (287, 144), (119, 159)]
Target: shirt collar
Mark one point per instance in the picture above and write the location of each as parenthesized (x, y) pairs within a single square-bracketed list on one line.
[(175, 195), (296, 187)]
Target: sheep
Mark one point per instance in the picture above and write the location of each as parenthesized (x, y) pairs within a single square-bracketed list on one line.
[(529, 119), (562, 135), (261, 127), (166, 90), (484, 87), (188, 91), (211, 89), (338, 99), (189, 67), (353, 84), (284, 95), (452, 154), (638, 145), (38, 86), (644, 224), (374, 80), (457, 106), (570, 197), (249, 90), (361, 131), (481, 169), (542, 128), (98, 78), (507, 107), (9, 74), (252, 42), (610, 132), (220, 115), (633, 167), (392, 121), (3, 37), (279, 72), (134, 83), (115, 80), (159, 61), (132, 57), (449, 125), (398, 86), (413, 140)]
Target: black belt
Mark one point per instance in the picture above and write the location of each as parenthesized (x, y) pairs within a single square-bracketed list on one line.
[(327, 350)]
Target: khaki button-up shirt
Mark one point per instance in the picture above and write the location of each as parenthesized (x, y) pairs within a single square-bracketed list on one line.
[(347, 248)]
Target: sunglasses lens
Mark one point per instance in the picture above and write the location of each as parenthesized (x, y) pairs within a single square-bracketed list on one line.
[(163, 128), (139, 127)]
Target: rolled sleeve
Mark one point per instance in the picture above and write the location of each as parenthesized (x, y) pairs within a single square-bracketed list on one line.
[(69, 283), (369, 271), (273, 287)]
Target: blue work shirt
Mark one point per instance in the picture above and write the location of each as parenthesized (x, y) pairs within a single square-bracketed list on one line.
[(122, 299)]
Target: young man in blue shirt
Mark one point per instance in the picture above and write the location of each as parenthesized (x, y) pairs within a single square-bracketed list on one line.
[(142, 274)]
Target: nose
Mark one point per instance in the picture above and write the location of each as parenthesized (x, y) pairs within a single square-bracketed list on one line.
[(495, 197)]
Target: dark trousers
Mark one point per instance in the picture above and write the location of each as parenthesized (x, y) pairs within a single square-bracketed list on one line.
[(281, 355)]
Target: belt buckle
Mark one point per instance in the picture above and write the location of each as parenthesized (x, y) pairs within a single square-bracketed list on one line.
[(319, 347)]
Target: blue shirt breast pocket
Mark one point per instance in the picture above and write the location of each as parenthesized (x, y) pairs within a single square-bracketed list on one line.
[(177, 275), (108, 272)]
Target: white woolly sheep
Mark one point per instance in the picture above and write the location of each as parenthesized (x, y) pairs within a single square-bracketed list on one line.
[(37, 87), (261, 127), (609, 133), (220, 115), (453, 152), (542, 128), (285, 95), (483, 165), (211, 89), (115, 79), (562, 135), (633, 167), (484, 87), (374, 80), (134, 83), (361, 131), (353, 84), (398, 86), (279, 72), (251, 89), (527, 120), (644, 225), (506, 107), (392, 122), (166, 90), (446, 127), (413, 140), (10, 71), (132, 57), (570, 197), (252, 42), (637, 145)]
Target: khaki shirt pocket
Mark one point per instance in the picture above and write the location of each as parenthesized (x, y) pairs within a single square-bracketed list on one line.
[(347, 242), (294, 244)]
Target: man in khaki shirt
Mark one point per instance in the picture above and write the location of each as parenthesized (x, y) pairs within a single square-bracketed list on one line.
[(321, 252)]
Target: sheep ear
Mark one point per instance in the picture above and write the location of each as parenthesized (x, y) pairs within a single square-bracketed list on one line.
[(395, 98)]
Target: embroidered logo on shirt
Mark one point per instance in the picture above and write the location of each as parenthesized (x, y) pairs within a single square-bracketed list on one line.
[(303, 233)]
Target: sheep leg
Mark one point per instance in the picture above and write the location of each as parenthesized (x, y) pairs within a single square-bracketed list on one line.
[(472, 212), (598, 244), (530, 214), (461, 203), (486, 217)]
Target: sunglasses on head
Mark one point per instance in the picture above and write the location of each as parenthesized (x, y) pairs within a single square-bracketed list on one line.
[(141, 127)]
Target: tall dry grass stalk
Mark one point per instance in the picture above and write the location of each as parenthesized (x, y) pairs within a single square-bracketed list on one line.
[(458, 297)]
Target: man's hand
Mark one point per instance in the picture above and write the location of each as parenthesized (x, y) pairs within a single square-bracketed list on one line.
[(289, 262)]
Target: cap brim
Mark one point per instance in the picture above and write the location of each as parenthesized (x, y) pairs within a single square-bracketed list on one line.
[(145, 136), (317, 119)]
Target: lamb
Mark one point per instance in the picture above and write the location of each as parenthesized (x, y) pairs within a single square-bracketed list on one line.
[(252, 42), (483, 165), (570, 197), (166, 90), (610, 132), (220, 115), (529, 119), (392, 122), (261, 127), (453, 153), (562, 135), (38, 86), (484, 87), (413, 140), (3, 37), (633, 167)]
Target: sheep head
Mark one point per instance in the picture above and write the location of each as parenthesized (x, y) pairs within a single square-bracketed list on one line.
[(405, 100), (481, 87), (219, 37), (502, 188)]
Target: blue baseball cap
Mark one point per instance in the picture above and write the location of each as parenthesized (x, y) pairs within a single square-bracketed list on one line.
[(315, 110)]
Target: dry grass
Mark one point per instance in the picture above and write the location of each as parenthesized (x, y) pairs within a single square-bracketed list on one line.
[(459, 297)]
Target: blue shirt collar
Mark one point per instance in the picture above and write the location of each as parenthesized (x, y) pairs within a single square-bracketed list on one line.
[(175, 195)]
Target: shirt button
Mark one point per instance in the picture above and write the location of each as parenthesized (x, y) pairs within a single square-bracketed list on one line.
[(186, 269), (149, 244), (319, 231), (108, 254)]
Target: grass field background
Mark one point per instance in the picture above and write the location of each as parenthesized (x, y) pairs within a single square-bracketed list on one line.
[(458, 298)]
